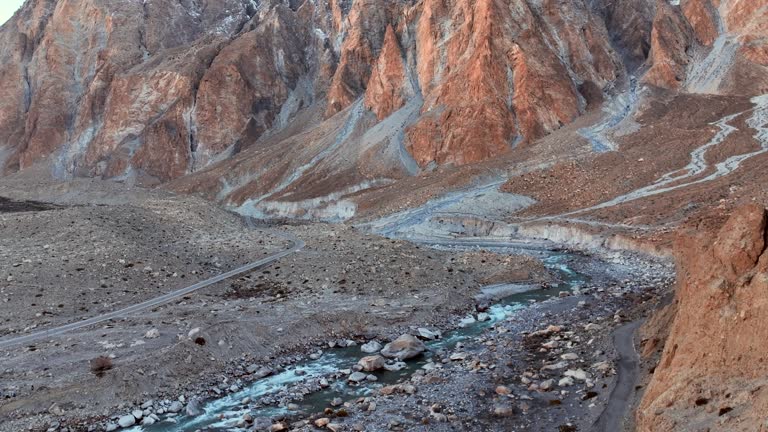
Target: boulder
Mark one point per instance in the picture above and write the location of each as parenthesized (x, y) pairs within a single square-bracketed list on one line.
[(126, 421), (372, 363), (403, 348), (194, 407), (175, 407), (371, 347)]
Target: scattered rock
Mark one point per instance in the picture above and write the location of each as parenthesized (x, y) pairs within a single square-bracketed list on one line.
[(126, 421), (546, 385), (357, 377), (152, 334), (175, 407), (503, 410), (577, 374), (593, 327), (371, 347), (194, 407)]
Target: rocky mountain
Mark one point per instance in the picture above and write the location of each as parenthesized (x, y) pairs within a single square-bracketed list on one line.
[(288, 106), (712, 363)]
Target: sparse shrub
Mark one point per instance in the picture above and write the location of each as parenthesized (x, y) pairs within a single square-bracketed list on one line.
[(100, 365), (200, 340)]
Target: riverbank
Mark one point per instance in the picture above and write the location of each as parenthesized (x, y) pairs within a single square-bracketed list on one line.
[(130, 247), (566, 379)]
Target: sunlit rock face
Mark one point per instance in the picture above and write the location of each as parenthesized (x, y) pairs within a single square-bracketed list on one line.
[(158, 90)]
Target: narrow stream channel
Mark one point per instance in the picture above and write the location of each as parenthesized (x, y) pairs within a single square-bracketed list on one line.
[(224, 413)]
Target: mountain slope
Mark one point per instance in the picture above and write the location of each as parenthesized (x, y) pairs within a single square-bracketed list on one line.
[(286, 107)]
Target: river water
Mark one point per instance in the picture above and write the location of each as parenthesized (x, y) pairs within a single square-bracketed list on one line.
[(224, 413)]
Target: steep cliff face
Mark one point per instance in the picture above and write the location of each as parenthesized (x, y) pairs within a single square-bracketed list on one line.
[(710, 46), (713, 368), (158, 90), (508, 72)]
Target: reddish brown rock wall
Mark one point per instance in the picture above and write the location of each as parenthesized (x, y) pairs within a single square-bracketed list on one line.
[(713, 369)]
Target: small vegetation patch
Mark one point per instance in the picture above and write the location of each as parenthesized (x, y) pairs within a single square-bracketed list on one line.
[(100, 365)]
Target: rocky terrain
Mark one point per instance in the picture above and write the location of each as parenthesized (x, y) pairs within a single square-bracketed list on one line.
[(467, 210), (71, 261)]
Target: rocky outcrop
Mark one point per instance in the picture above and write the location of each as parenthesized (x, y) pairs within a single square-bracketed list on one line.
[(389, 88), (709, 46), (509, 72), (364, 28), (713, 371), (704, 19), (749, 18), (670, 40)]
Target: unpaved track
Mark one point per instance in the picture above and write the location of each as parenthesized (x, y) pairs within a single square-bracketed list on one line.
[(686, 176), (296, 245), (613, 415)]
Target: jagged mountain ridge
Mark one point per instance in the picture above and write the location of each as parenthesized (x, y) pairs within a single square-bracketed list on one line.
[(257, 100)]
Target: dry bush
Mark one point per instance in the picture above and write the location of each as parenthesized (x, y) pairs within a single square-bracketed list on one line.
[(100, 365)]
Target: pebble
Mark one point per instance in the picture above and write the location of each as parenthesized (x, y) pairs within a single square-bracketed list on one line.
[(577, 374), (152, 334), (503, 411)]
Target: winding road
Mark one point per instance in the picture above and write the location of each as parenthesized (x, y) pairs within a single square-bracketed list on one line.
[(295, 245), (613, 415)]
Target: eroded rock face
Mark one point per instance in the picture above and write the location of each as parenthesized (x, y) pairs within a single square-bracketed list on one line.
[(160, 89), (389, 88), (704, 19), (713, 365), (670, 40), (749, 18), (500, 77), (710, 46)]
